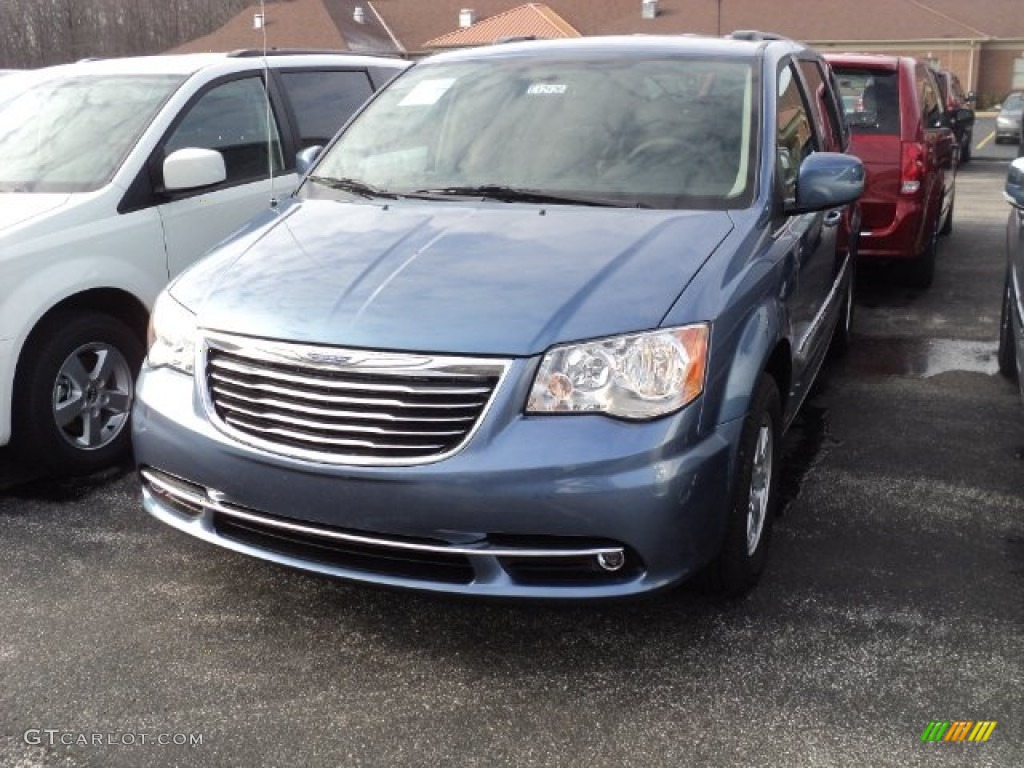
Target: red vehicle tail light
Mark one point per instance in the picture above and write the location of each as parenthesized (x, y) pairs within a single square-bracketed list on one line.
[(911, 167)]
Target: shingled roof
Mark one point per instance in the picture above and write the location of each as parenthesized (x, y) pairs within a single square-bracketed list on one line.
[(326, 24), (419, 25), (531, 20)]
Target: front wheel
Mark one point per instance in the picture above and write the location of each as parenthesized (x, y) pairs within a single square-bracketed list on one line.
[(741, 560), (1007, 354), (74, 393)]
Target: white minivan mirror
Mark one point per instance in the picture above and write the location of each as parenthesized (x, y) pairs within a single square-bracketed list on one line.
[(192, 167)]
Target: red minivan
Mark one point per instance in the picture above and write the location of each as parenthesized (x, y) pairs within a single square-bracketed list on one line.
[(902, 133)]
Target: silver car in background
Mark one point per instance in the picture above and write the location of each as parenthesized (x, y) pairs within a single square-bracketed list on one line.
[(1008, 121)]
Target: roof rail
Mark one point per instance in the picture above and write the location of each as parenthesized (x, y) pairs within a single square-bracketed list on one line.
[(514, 39), (254, 53), (754, 35)]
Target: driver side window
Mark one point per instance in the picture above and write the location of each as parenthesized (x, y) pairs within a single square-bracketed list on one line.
[(794, 135), (232, 118)]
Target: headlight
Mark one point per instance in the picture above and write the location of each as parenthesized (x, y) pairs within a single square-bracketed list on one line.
[(172, 335), (638, 376)]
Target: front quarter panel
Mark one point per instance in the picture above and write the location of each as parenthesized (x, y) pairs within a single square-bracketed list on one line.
[(56, 261)]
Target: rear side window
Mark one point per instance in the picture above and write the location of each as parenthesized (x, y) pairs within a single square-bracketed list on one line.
[(929, 98), (823, 105), (870, 100), (323, 101)]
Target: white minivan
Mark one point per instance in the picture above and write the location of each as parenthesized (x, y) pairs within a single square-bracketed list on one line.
[(114, 176)]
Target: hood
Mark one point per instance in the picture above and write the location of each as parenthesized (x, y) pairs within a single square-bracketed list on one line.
[(443, 277), (16, 208)]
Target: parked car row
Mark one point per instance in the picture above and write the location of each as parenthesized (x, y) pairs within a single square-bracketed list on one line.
[(533, 323)]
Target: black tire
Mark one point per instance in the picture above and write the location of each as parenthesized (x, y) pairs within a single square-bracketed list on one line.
[(82, 365), (741, 560), (921, 271), (842, 336), (1007, 354), (947, 225)]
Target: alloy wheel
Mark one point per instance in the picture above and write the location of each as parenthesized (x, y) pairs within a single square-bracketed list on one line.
[(760, 484), (92, 396)]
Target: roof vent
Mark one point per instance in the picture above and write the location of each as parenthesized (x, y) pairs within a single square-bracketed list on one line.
[(467, 18), (359, 15), (649, 9), (257, 21)]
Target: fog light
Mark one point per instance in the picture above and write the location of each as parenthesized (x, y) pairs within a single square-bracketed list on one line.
[(611, 561)]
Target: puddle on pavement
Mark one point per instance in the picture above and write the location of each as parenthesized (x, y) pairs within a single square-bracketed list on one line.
[(922, 358)]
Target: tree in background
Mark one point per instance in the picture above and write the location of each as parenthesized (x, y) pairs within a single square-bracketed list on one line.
[(37, 33)]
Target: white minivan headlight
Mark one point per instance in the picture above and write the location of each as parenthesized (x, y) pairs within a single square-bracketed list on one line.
[(636, 376), (172, 335)]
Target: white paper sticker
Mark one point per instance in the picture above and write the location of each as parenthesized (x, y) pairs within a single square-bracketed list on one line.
[(546, 89), (426, 93)]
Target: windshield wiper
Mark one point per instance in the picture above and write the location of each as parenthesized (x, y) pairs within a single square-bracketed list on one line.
[(355, 186), (517, 195)]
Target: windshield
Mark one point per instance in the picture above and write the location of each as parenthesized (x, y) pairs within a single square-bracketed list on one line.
[(71, 134), (1014, 100), (665, 133)]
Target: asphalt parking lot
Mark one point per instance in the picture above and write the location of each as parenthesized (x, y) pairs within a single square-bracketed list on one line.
[(894, 597)]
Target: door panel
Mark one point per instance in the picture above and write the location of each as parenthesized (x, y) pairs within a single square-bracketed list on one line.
[(235, 119), (809, 240)]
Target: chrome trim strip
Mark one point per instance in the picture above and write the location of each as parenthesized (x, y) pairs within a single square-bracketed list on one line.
[(335, 413), (214, 502), (380, 402), (327, 426), (294, 378), (819, 318), (333, 360), (324, 440)]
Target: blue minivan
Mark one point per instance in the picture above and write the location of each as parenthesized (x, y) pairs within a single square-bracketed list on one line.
[(533, 325)]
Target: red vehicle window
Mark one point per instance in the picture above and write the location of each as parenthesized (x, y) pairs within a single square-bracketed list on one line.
[(870, 100)]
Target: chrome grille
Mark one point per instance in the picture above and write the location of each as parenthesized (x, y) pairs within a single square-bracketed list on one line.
[(343, 405)]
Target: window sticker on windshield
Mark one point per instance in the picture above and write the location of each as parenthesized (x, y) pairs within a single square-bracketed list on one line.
[(426, 93), (546, 89)]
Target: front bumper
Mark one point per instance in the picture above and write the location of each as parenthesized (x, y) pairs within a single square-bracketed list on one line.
[(1008, 128), (542, 507)]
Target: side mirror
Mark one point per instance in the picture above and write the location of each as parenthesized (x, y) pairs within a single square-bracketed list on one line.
[(305, 158), (963, 116), (191, 168), (1014, 191), (827, 180)]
